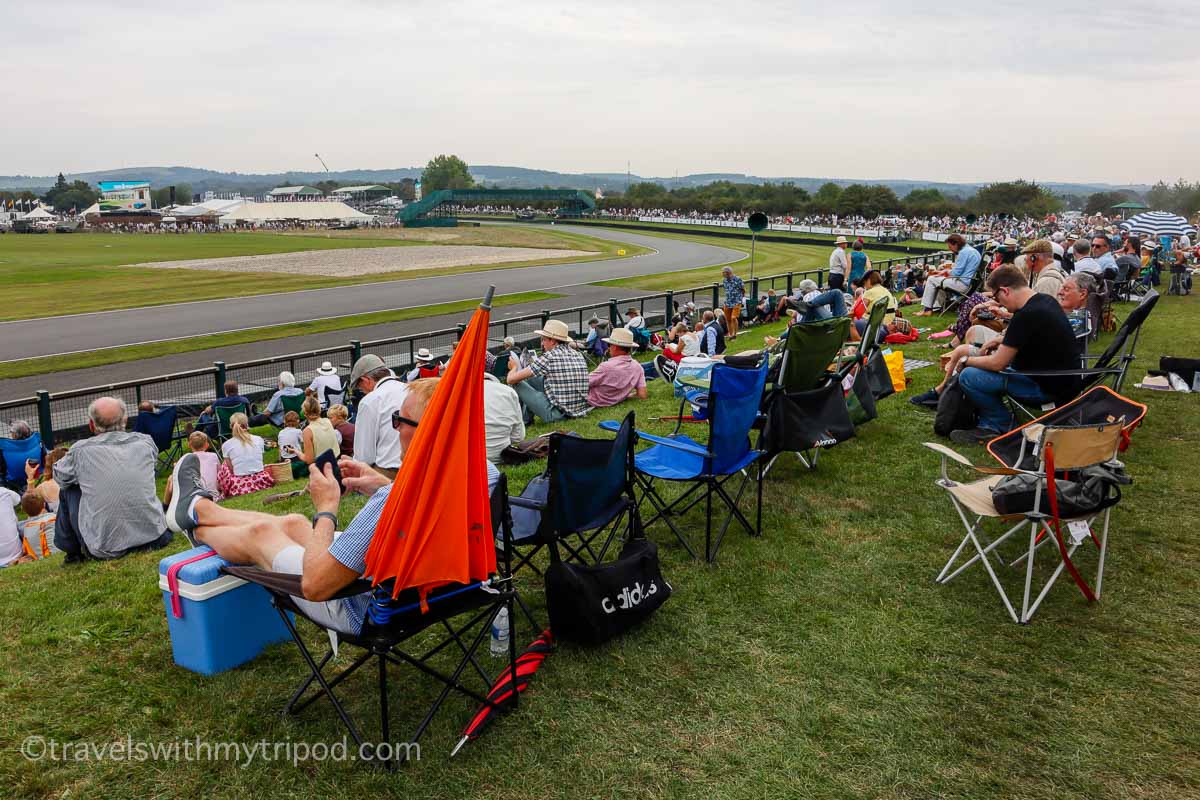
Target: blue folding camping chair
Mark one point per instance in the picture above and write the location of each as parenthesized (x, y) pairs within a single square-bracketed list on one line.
[(160, 426), (15, 453), (733, 402)]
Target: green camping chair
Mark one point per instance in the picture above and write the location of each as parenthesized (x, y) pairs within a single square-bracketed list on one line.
[(806, 411), (224, 413), (861, 398), (293, 402)]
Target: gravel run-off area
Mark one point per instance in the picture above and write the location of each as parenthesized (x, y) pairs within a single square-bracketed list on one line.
[(372, 260)]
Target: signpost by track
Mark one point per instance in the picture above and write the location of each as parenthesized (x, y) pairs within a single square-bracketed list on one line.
[(757, 223)]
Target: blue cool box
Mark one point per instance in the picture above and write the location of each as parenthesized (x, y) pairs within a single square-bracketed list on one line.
[(225, 621)]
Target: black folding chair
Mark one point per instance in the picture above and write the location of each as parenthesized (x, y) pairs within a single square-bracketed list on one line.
[(392, 624), (954, 297), (585, 493)]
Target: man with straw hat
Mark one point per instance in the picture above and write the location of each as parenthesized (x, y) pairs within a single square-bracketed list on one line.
[(326, 383), (554, 386), (838, 264), (618, 378)]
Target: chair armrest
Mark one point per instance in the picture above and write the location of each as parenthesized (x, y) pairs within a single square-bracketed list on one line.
[(525, 502), (946, 452), (613, 425)]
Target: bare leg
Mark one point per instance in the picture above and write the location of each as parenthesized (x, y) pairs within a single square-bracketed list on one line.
[(256, 542), (209, 514)]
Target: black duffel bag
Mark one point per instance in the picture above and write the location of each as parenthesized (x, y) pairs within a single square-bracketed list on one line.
[(1094, 489), (592, 604), (955, 411)]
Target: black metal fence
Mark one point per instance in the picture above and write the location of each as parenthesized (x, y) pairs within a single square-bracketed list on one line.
[(62, 416)]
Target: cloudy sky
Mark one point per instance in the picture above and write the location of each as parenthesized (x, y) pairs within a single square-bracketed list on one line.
[(968, 90)]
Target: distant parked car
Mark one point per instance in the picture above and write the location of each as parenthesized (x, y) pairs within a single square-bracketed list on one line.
[(526, 215), (68, 226)]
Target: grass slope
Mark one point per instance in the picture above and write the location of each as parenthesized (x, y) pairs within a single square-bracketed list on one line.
[(116, 355), (818, 661), (76, 273)]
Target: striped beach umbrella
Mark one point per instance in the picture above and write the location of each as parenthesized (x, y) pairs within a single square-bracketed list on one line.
[(1159, 223)]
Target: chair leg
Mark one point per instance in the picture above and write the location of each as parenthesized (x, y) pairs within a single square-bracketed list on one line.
[(384, 727), (709, 555), (326, 686), (1103, 553)]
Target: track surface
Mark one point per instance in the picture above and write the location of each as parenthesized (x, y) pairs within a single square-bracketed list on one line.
[(59, 335)]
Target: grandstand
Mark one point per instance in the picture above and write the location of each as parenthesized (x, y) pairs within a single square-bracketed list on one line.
[(437, 209)]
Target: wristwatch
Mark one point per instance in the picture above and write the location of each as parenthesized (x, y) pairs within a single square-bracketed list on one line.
[(332, 517)]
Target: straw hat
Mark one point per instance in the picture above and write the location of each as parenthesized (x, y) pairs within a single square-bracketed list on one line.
[(423, 354), (621, 337), (326, 369), (840, 240), (555, 330)]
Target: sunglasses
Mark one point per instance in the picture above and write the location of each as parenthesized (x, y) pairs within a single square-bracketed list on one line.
[(399, 419)]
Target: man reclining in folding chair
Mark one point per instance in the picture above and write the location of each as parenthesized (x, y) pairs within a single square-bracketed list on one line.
[(292, 544), (1038, 338)]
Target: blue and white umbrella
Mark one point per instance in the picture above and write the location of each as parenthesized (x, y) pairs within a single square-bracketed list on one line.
[(1159, 223)]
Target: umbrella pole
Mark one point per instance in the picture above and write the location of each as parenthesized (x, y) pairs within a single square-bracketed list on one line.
[(486, 305)]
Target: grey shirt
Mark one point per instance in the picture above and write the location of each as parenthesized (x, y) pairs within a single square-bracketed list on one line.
[(119, 508)]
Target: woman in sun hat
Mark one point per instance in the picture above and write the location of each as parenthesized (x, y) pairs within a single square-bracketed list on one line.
[(326, 386)]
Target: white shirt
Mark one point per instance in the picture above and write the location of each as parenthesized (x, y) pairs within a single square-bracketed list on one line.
[(636, 322), (291, 437), (502, 419), (837, 261), (375, 440), (1088, 264), (319, 384), (247, 459), (689, 344), (10, 542)]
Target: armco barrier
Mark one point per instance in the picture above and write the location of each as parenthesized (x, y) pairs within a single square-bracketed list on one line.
[(62, 416)]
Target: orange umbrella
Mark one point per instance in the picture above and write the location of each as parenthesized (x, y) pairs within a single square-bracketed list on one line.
[(436, 526)]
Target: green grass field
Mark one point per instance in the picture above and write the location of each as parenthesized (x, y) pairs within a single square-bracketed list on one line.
[(67, 274), (819, 661), (770, 258)]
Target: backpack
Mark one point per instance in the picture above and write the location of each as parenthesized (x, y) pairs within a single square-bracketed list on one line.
[(955, 411)]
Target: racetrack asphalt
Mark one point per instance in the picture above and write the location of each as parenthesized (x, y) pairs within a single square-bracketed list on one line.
[(59, 335)]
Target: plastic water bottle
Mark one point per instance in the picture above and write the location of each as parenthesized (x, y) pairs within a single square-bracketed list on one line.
[(500, 634)]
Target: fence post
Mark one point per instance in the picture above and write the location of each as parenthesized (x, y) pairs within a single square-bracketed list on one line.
[(219, 378), (545, 317), (462, 328), (669, 310), (789, 283), (45, 421), (716, 289), (613, 314), (753, 292), (355, 351)]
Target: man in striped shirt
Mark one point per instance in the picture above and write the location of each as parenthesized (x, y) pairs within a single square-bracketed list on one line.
[(326, 560)]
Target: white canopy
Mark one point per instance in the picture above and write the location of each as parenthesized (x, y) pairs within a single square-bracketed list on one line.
[(252, 212), (39, 213)]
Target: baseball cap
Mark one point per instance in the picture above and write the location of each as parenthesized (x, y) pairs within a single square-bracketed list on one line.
[(368, 362)]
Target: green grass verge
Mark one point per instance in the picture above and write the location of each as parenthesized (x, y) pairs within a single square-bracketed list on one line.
[(78, 273), (819, 660), (770, 258), (116, 355)]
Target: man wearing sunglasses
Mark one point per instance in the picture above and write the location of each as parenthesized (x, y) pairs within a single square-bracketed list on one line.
[(1039, 337), (326, 560), (1102, 252)]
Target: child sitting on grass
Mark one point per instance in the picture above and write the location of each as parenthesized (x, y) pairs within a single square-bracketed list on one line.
[(291, 438), (37, 532), (199, 443)]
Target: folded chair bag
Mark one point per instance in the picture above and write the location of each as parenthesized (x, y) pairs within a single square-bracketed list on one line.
[(1096, 489), (799, 421), (879, 376), (592, 604)]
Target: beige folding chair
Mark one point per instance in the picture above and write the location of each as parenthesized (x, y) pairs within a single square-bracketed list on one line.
[(1055, 450)]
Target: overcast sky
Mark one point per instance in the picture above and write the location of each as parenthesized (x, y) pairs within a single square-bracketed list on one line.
[(961, 91)]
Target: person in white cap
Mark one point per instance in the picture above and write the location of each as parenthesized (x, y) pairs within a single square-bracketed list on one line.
[(376, 441), (838, 264), (555, 384), (619, 377), (327, 384)]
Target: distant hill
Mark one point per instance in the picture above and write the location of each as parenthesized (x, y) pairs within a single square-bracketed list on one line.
[(202, 180)]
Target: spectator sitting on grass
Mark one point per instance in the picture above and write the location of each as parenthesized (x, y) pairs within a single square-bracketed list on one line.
[(274, 414), (242, 470), (108, 505), (503, 422), (711, 334), (681, 342), (554, 386), (10, 537), (37, 529), (375, 440), (427, 366), (291, 442), (636, 324), (339, 416), (619, 377), (296, 545), (233, 398), (318, 436), (874, 290), (199, 444)]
